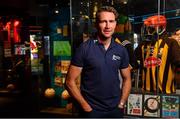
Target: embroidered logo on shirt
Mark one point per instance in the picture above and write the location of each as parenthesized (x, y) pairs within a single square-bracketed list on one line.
[(115, 57)]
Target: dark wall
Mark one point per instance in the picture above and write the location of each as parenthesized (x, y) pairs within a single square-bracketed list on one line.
[(13, 7)]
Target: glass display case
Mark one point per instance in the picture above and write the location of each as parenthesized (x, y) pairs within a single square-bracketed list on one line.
[(148, 31), (150, 27)]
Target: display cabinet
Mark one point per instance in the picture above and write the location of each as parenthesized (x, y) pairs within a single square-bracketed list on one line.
[(148, 26)]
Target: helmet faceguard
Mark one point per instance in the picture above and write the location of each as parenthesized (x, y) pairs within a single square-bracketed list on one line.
[(154, 25)]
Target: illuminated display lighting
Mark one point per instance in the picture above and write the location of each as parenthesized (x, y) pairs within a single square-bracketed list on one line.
[(16, 23)]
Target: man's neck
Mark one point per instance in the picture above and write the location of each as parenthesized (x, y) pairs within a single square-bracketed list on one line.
[(105, 42)]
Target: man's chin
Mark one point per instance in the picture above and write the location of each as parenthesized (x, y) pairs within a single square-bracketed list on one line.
[(108, 37), (105, 37)]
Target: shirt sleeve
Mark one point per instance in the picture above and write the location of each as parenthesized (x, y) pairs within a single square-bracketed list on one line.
[(77, 58), (125, 59)]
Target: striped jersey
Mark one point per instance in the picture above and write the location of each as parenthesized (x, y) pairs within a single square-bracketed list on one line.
[(158, 60)]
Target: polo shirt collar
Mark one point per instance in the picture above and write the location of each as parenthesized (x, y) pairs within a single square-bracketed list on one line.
[(111, 44)]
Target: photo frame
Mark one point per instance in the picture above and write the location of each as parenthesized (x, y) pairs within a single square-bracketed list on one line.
[(19, 49), (152, 105), (65, 66), (134, 104), (170, 106), (61, 48)]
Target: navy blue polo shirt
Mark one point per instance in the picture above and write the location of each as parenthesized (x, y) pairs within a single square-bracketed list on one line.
[(100, 84)]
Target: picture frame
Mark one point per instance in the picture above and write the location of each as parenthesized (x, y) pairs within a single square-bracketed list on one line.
[(134, 104), (170, 106), (61, 48), (151, 105)]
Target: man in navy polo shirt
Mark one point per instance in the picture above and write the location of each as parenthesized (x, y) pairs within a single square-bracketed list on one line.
[(99, 62)]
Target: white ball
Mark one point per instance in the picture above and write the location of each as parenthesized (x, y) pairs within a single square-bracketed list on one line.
[(49, 93), (65, 95), (10, 86)]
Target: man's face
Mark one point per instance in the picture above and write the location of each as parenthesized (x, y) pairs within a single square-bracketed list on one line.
[(106, 24)]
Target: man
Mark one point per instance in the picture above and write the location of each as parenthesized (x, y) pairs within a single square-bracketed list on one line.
[(99, 62)]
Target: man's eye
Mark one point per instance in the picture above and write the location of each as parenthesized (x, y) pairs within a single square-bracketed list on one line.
[(112, 21), (101, 21)]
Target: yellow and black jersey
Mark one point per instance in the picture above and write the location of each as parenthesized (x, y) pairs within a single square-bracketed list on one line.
[(128, 45), (158, 60)]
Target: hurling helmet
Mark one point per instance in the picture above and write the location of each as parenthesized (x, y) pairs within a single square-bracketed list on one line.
[(155, 24)]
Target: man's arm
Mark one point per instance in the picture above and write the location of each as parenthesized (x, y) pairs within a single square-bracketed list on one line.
[(73, 89), (126, 87)]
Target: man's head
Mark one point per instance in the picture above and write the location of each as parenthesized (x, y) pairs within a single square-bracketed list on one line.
[(106, 9), (106, 18)]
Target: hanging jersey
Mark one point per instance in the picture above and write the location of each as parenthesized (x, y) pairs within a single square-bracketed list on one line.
[(128, 45), (157, 64)]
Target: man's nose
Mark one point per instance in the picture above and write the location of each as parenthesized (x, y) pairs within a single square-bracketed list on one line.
[(107, 24)]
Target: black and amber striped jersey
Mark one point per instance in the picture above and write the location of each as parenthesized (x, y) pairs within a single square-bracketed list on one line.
[(158, 60), (128, 45)]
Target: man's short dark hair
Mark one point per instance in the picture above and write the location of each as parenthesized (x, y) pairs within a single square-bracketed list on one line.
[(106, 9)]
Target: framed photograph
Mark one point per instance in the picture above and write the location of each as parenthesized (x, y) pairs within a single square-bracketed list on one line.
[(7, 49), (19, 49), (134, 104), (57, 66), (61, 48), (65, 66), (170, 106), (58, 81), (151, 105)]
